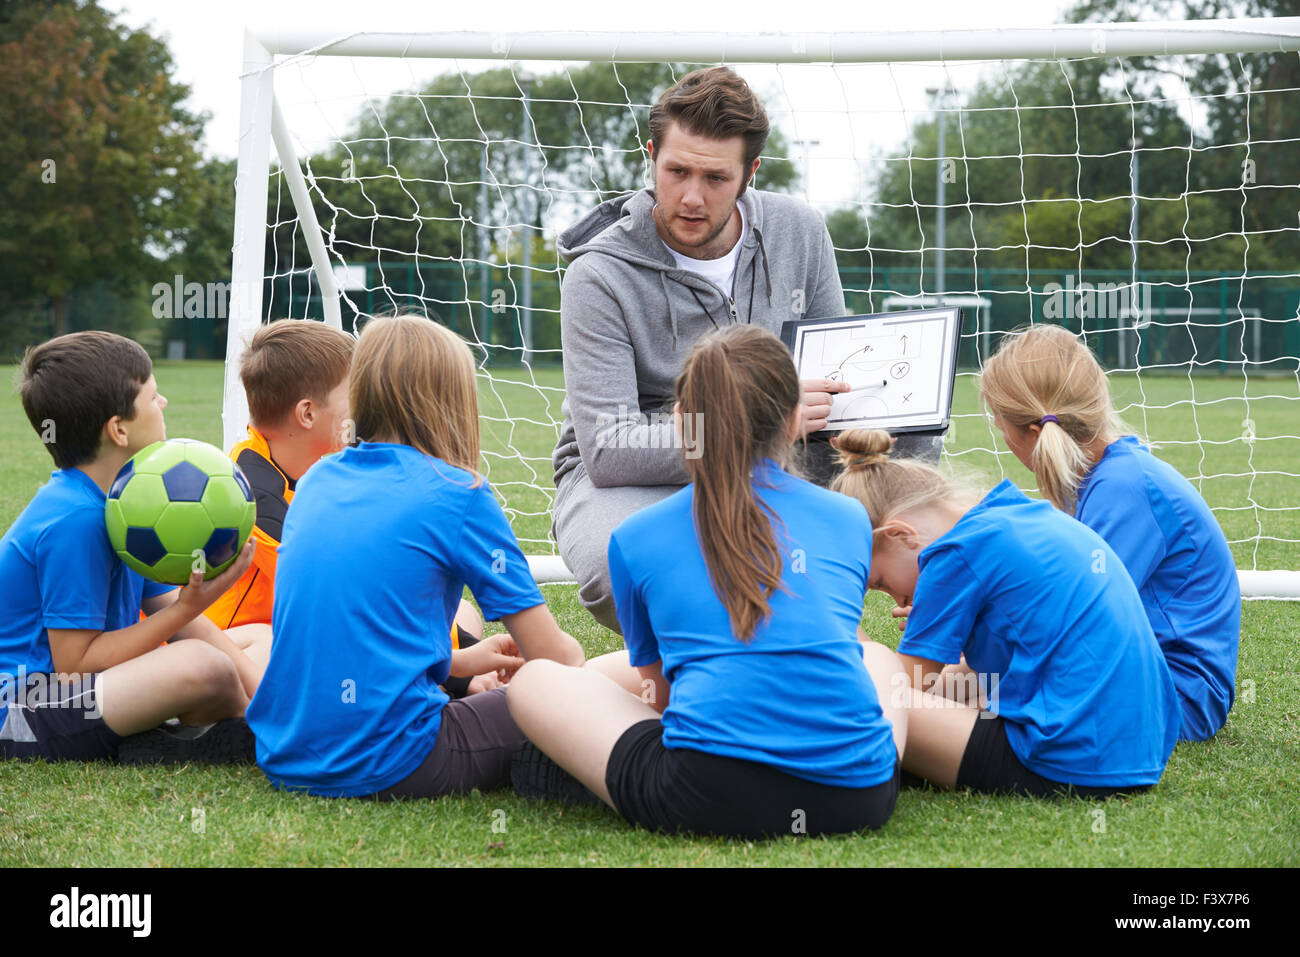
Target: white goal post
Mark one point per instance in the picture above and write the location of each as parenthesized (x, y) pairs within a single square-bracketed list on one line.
[(1157, 352)]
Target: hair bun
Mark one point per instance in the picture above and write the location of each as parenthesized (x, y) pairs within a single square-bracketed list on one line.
[(859, 448)]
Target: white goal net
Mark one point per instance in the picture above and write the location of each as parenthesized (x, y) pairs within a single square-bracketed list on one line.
[(1137, 183)]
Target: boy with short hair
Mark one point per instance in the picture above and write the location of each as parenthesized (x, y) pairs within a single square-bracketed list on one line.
[(79, 670), (295, 376)]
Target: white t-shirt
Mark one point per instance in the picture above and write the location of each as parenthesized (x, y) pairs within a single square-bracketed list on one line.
[(719, 270)]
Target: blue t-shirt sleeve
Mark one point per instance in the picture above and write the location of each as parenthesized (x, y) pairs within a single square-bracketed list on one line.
[(633, 616), (74, 568), (154, 589), (487, 556), (944, 607), (1120, 512)]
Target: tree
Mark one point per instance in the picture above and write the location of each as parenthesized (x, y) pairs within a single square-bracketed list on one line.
[(1250, 181), (97, 155)]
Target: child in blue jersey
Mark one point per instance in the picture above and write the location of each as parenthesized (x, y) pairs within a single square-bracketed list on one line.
[(1050, 398), (79, 669), (751, 711), (1077, 694), (380, 543)]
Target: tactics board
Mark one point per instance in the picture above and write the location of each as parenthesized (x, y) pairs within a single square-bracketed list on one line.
[(901, 366)]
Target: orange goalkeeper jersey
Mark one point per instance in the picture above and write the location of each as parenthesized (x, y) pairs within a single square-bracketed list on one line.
[(249, 600)]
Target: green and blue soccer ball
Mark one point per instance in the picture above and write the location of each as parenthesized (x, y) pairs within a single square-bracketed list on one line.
[(177, 506)]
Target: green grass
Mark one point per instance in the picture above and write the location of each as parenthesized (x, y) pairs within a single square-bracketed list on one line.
[(1230, 801)]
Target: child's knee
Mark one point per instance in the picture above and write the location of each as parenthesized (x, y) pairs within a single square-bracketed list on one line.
[(208, 672), (528, 687)]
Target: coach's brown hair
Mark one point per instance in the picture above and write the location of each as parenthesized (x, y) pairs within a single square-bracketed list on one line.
[(714, 102), (72, 385), (413, 382), (290, 360), (742, 380)]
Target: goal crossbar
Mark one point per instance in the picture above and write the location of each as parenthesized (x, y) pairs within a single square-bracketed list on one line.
[(1281, 34)]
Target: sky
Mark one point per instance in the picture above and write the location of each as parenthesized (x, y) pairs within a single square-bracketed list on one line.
[(846, 120)]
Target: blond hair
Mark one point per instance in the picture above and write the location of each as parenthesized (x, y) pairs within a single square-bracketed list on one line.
[(413, 382), (1043, 371), (888, 487)]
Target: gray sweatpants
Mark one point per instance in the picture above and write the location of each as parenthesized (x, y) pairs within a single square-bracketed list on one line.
[(585, 516)]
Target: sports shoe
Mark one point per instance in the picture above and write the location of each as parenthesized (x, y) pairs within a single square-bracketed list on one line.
[(534, 775), (226, 742)]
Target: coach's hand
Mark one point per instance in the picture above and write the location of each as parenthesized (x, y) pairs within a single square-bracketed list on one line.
[(497, 655), (197, 594), (816, 405)]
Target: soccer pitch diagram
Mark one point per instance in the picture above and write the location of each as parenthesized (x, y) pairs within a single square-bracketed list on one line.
[(899, 367)]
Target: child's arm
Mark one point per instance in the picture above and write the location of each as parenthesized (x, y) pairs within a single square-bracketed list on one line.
[(499, 653), (922, 673), (654, 686), (538, 636), (87, 651)]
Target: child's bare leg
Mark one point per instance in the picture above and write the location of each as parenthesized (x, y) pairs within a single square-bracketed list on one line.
[(892, 688), (938, 730), (186, 679), (255, 641), (617, 668), (575, 716), (468, 619)]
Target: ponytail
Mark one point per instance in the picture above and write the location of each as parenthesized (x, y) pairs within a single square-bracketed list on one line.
[(743, 378), (1059, 464)]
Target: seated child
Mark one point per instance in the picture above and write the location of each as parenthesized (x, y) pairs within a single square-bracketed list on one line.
[(753, 710), (79, 669), (1078, 694), (1051, 399), (377, 549), (295, 376)]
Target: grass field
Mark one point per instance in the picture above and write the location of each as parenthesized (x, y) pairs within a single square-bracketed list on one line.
[(1230, 801)]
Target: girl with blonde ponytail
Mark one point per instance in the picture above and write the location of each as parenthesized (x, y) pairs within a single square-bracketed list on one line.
[(744, 693), (1050, 397), (1075, 692)]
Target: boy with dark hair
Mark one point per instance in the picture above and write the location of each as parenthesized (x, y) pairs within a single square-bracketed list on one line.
[(79, 669), (295, 375)]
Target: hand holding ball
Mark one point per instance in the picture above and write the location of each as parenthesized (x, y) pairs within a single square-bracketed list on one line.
[(177, 506)]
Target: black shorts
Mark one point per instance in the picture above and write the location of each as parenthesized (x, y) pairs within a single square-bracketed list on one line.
[(684, 790), (989, 765), (57, 721)]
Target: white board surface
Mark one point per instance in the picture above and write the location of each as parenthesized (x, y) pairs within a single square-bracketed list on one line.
[(900, 365)]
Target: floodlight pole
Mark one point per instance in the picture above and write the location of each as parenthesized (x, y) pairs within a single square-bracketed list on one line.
[(483, 247), (1135, 296), (940, 211), (526, 303)]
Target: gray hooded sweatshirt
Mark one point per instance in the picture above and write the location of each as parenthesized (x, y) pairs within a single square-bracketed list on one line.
[(629, 317)]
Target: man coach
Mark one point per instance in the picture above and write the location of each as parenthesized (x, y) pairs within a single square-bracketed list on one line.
[(650, 273)]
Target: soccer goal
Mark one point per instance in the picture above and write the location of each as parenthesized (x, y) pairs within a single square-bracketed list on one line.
[(1137, 183)]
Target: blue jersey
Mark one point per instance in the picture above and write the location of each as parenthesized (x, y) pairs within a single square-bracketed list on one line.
[(796, 696), (1178, 557), (58, 570), (377, 550), (1042, 606)]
